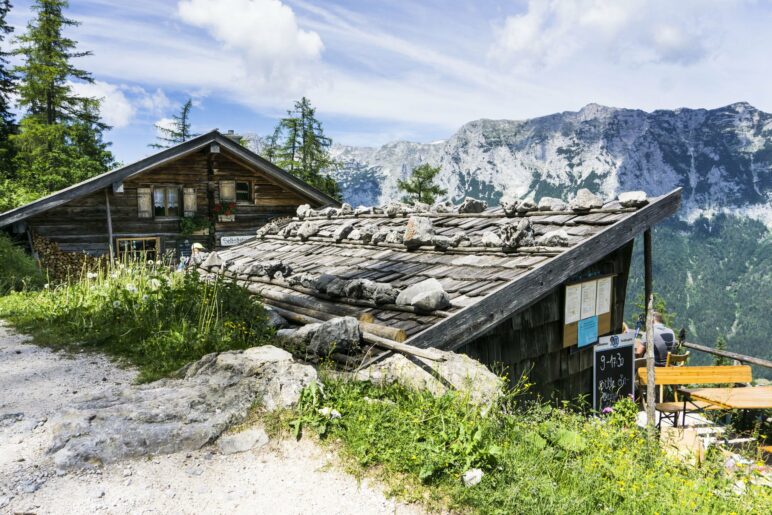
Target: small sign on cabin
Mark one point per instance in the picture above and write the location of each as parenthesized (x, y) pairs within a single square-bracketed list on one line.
[(613, 372), (229, 241), (587, 311)]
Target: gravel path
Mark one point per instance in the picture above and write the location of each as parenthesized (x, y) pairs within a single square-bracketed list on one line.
[(282, 477)]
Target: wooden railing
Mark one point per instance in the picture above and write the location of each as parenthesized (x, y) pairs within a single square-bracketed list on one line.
[(731, 355)]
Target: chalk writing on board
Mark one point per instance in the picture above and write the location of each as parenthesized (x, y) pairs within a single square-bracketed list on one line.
[(613, 369)]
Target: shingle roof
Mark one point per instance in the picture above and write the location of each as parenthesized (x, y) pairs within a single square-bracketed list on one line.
[(485, 284)]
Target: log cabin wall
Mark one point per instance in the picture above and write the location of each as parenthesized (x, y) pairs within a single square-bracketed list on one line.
[(81, 224), (531, 341)]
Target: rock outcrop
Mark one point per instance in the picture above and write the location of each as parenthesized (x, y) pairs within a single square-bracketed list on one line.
[(174, 415), (455, 371)]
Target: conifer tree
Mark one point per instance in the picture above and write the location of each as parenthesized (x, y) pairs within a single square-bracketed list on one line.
[(7, 86), (60, 138), (299, 146), (179, 132), (420, 187)]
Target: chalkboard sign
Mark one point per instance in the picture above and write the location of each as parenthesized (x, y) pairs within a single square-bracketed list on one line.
[(184, 249), (613, 370)]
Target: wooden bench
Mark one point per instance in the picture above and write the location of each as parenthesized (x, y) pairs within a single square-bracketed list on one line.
[(683, 376)]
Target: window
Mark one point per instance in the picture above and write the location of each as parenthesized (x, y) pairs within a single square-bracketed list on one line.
[(166, 201), (138, 248), (243, 192)]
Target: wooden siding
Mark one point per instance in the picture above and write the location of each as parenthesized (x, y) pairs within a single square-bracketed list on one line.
[(530, 341), (81, 224)]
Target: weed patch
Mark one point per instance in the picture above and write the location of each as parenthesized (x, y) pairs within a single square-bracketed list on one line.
[(154, 318), (536, 458)]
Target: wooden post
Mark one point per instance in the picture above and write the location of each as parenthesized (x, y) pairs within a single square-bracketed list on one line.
[(109, 225), (650, 387)]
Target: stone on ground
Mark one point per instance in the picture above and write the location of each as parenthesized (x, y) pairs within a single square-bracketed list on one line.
[(173, 415), (457, 372), (243, 441)]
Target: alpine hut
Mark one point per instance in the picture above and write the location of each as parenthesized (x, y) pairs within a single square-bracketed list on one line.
[(491, 283), (209, 189)]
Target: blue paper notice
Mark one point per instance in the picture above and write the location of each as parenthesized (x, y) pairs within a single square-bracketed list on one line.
[(588, 331)]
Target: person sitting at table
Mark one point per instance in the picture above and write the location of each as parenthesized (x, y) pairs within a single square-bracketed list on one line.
[(664, 341)]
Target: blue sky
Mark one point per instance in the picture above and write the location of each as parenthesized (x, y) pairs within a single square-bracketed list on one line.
[(380, 71)]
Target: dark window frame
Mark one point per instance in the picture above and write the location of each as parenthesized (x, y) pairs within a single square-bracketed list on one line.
[(249, 191), (144, 254)]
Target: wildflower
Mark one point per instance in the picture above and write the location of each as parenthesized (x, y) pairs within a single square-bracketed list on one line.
[(607, 409), (131, 288), (46, 286), (113, 275), (91, 275), (144, 298), (329, 412), (116, 304), (154, 284)]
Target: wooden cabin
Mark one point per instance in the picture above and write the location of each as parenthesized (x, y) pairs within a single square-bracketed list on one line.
[(518, 309), (209, 189)]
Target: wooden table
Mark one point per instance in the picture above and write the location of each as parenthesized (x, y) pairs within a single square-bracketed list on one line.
[(741, 397)]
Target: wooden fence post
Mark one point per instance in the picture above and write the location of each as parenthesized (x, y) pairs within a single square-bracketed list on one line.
[(650, 387)]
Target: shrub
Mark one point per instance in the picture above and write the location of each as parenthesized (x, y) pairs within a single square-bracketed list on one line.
[(157, 319), (18, 271)]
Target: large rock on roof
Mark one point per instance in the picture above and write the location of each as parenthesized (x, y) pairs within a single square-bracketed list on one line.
[(454, 372), (552, 204), (337, 335), (426, 296), (419, 232), (173, 415), (633, 199), (472, 205), (307, 229), (514, 236), (586, 200)]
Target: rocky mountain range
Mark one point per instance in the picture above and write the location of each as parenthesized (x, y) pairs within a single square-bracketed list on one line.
[(712, 266), (721, 157)]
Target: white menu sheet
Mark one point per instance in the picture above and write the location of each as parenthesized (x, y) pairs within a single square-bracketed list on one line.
[(588, 298), (603, 302), (573, 303)]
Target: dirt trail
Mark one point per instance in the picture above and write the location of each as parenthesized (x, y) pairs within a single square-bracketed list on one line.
[(282, 477)]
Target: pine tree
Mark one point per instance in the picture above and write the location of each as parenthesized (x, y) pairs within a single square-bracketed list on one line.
[(60, 139), (7, 87), (179, 132), (298, 145), (721, 360), (420, 187)]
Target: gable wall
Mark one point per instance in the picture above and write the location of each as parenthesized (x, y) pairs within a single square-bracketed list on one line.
[(81, 224), (530, 342)]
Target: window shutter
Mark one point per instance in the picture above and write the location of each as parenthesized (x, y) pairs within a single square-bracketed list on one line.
[(189, 201), (227, 191), (144, 203)]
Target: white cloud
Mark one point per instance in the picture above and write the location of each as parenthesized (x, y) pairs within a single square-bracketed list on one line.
[(275, 50), (631, 32), (116, 110)]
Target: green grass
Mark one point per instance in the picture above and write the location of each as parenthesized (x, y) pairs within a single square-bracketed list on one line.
[(151, 317), (18, 271), (536, 458)]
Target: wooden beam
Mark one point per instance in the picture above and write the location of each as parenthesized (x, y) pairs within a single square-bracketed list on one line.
[(109, 225), (473, 321), (727, 354)]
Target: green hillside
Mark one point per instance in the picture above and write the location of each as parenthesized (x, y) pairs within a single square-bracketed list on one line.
[(716, 277)]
